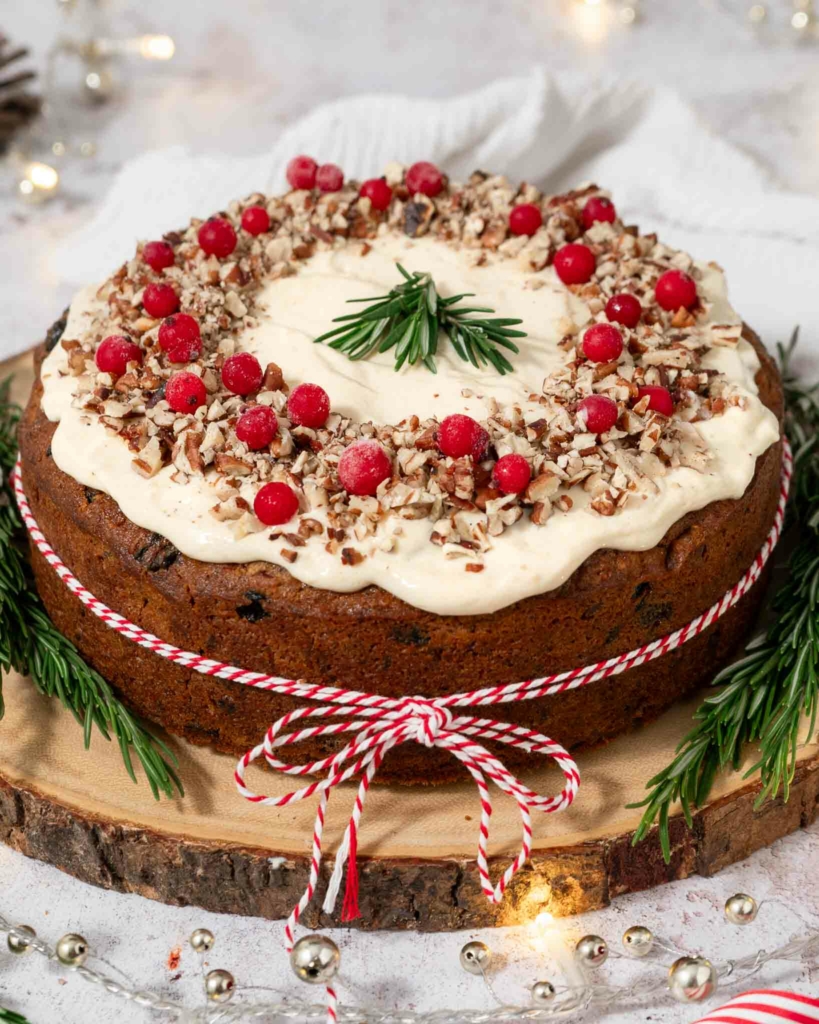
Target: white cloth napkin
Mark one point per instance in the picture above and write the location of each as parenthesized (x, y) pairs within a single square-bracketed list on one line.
[(665, 169)]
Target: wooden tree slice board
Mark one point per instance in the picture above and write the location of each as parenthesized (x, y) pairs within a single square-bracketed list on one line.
[(79, 811)]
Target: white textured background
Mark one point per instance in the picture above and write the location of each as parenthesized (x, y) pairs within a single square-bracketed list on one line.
[(244, 70)]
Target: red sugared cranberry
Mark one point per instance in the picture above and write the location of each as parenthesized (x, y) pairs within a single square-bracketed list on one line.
[(675, 288), (512, 474), (275, 504), (308, 406), (179, 336), (525, 219), (158, 255), (574, 263), (242, 373), (257, 427), (329, 178), (460, 435), (378, 192), (424, 177), (602, 343), (362, 467), (256, 220), (599, 412), (114, 354), (624, 309), (160, 300), (598, 208), (217, 237), (659, 398), (185, 392), (301, 172)]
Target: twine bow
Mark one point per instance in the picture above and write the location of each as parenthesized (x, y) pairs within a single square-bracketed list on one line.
[(377, 729)]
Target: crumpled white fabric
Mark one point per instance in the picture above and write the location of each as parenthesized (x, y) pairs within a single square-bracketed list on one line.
[(663, 166)]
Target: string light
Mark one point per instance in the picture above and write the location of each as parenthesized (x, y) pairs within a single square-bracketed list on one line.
[(38, 182), (689, 979)]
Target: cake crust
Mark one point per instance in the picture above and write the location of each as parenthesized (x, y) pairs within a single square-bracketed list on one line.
[(260, 617)]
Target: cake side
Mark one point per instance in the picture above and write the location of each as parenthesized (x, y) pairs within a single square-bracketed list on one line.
[(260, 617)]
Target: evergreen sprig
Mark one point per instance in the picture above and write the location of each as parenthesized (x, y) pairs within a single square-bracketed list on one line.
[(10, 1017), (770, 692), (409, 319), (31, 645)]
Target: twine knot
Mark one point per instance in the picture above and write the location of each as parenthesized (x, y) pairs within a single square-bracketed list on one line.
[(430, 720)]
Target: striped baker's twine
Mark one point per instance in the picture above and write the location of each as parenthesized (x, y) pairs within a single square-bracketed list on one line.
[(380, 723), (766, 1006)]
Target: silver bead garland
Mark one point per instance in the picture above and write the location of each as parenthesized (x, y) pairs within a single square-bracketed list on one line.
[(692, 979), (315, 959), (592, 951), (638, 940), (202, 940), (72, 950), (543, 992), (18, 939), (219, 986), (475, 957), (741, 908)]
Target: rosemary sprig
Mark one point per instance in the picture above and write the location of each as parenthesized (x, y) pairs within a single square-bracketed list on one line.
[(10, 1017), (770, 692), (409, 319), (30, 643)]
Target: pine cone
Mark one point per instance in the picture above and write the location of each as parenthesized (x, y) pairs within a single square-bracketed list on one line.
[(17, 105)]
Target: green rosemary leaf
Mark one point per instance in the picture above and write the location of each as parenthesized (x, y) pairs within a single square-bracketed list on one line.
[(31, 645), (773, 691), (10, 1017), (410, 318)]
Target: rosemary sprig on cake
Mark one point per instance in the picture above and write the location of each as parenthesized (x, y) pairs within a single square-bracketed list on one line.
[(769, 694), (410, 318), (31, 645)]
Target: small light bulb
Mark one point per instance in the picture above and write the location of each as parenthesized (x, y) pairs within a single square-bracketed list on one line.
[(757, 14), (544, 920), (800, 20), (157, 47)]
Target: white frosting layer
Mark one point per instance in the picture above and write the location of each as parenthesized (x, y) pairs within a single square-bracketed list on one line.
[(526, 559)]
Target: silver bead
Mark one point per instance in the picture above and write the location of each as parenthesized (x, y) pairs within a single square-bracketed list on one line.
[(315, 959), (72, 950), (592, 950), (638, 940), (542, 992), (202, 940), (692, 979), (741, 908), (475, 957), (17, 943), (219, 986)]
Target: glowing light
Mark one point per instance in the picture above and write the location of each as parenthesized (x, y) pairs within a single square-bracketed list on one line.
[(591, 20), (39, 181), (758, 13), (544, 920), (157, 47)]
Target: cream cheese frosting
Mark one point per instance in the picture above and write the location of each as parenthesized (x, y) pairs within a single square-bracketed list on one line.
[(524, 561)]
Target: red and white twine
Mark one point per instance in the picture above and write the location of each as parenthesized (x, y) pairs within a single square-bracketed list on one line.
[(377, 724), (766, 1006)]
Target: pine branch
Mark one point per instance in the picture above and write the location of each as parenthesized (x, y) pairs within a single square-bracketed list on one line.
[(10, 1017), (769, 693), (31, 645), (409, 319)]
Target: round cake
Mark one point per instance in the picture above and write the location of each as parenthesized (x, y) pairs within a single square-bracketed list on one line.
[(539, 438)]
